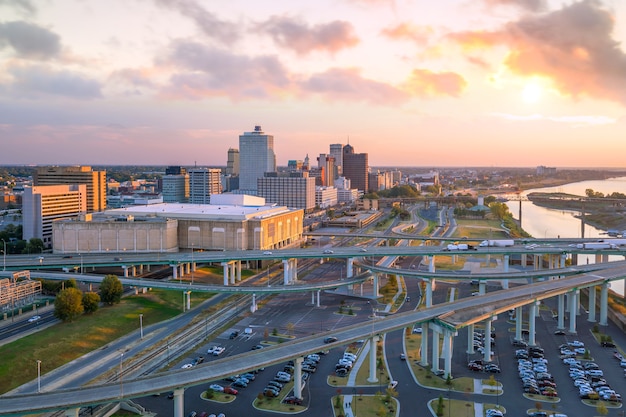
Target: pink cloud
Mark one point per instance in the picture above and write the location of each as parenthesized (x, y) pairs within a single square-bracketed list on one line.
[(407, 31), (425, 83)]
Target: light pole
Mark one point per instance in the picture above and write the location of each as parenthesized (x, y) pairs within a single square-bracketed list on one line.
[(38, 376), (81, 264), (121, 371), (141, 326), (268, 276), (192, 268)]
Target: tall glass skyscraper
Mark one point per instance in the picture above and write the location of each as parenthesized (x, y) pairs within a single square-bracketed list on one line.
[(256, 157)]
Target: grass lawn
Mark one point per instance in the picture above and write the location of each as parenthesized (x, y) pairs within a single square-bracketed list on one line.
[(456, 408), (480, 229), (65, 342), (367, 405), (444, 262)]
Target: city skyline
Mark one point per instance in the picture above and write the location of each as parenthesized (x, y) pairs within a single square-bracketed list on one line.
[(175, 82)]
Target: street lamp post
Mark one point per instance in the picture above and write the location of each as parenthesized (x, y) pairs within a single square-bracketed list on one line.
[(141, 326), (38, 376), (81, 264), (121, 372), (192, 264)]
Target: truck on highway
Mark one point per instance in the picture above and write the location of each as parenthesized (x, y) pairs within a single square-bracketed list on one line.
[(458, 246), (596, 245), (501, 243)]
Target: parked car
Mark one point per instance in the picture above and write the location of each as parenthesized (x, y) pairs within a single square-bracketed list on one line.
[(230, 390), (240, 383), (233, 334), (218, 350), (216, 388), (293, 400), (270, 392)]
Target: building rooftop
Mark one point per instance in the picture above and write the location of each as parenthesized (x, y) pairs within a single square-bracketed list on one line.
[(200, 211)]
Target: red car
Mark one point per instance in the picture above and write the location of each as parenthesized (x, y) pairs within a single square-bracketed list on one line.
[(474, 367), (230, 390), (549, 393)]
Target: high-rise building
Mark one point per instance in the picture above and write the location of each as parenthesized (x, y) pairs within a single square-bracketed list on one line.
[(232, 163), (293, 189), (356, 168), (326, 163), (202, 183), (95, 181), (256, 157), (175, 185), (42, 205), (336, 151)]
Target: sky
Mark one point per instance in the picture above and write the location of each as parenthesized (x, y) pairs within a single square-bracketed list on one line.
[(502, 83)]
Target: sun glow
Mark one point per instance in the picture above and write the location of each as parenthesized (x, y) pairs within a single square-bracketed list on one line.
[(532, 92)]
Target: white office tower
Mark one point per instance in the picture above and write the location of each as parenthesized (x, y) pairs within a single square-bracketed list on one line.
[(336, 151), (256, 157), (202, 183)]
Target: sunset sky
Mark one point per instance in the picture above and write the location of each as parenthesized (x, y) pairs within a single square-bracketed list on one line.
[(411, 82)]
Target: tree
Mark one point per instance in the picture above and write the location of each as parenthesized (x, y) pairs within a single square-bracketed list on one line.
[(91, 302), (34, 245), (68, 304), (111, 290)]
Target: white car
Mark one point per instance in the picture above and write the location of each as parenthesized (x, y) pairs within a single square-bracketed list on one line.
[(218, 350), (34, 319), (328, 251), (186, 366), (267, 252), (216, 388)]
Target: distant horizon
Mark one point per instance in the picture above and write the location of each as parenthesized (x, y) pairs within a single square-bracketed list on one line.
[(411, 83)]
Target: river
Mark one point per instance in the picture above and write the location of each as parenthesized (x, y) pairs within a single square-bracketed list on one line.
[(543, 222)]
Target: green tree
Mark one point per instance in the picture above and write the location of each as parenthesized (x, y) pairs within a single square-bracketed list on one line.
[(601, 409), (68, 304), (34, 245), (91, 302), (111, 290)]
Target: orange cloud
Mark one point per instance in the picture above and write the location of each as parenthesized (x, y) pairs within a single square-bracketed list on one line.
[(425, 83), (572, 46), (408, 31)]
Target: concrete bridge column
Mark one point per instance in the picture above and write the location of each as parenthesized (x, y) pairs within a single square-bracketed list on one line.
[(141, 269), (174, 271), (297, 383), (286, 268), (505, 281), (482, 287), (187, 268), (349, 267), (294, 270), (604, 303), (375, 284), (125, 269), (435, 362), (312, 298), (133, 271), (317, 304), (225, 270), (447, 352), (431, 263), (605, 257), (188, 299), (372, 357), (424, 346), (572, 311), (238, 267), (182, 270), (592, 304), (532, 316), (574, 258), (253, 307), (429, 292), (561, 312), (179, 402), (578, 305), (519, 320), (536, 262), (232, 272), (72, 412), (470, 339), (487, 354), (598, 258)]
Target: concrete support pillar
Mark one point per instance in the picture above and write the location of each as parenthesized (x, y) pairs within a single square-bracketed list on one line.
[(532, 316), (592, 304), (574, 258), (125, 269), (435, 362), (238, 266), (294, 270), (174, 271), (286, 268), (72, 412), (431, 264), (561, 312), (572, 311), (188, 299), (182, 270), (536, 262), (231, 271), (429, 292), (519, 320), (225, 270), (470, 339), (375, 285), (349, 267), (604, 303), (598, 258), (317, 304), (297, 378), (424, 346), (179, 402), (312, 298), (372, 357), (253, 307), (605, 257), (482, 287), (506, 262), (487, 354), (447, 355)]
